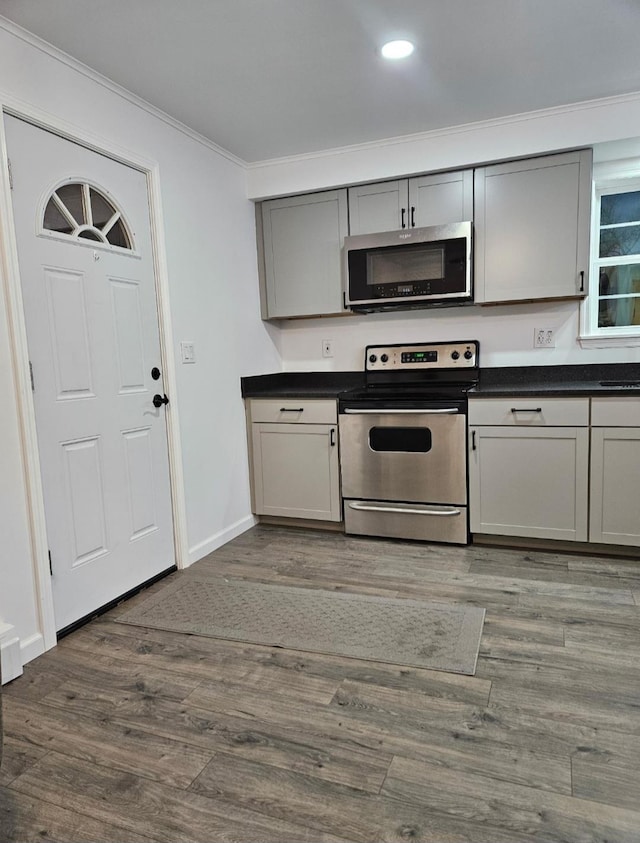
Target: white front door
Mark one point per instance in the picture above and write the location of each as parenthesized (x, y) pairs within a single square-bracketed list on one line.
[(86, 267)]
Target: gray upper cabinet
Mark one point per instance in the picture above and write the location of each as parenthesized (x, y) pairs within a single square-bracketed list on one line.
[(425, 200), (378, 207), (302, 240), (531, 226)]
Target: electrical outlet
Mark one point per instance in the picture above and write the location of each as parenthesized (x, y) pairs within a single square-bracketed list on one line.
[(327, 348), (544, 338)]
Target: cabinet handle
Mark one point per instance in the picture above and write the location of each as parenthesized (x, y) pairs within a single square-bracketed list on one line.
[(413, 217), (292, 409), (473, 440), (582, 280), (402, 217), (332, 437), (526, 409)]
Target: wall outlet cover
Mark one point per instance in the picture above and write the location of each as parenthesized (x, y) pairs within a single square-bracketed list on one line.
[(544, 338)]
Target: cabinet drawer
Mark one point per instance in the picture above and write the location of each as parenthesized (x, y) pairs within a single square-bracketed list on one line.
[(615, 412), (530, 411), (293, 410)]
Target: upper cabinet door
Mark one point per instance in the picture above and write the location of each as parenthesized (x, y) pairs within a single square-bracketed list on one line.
[(378, 207), (531, 225), (441, 199), (302, 237), (409, 203)]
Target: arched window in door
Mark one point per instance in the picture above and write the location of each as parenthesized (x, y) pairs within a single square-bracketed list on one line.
[(79, 210)]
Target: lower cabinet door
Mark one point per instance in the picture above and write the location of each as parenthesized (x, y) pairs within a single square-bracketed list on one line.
[(295, 470), (529, 482), (615, 485)]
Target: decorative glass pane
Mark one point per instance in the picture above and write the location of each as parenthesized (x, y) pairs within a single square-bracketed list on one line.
[(89, 234), (107, 226), (620, 207), (117, 236), (619, 280), (54, 219), (102, 209), (623, 240), (71, 196), (616, 313)]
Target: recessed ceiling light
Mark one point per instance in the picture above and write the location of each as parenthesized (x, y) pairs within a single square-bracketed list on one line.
[(397, 49)]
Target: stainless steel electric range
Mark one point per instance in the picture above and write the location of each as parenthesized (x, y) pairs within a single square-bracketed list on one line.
[(403, 442)]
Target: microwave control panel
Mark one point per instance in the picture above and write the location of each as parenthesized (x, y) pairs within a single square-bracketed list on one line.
[(437, 355)]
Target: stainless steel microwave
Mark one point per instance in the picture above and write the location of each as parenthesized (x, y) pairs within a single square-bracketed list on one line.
[(413, 267)]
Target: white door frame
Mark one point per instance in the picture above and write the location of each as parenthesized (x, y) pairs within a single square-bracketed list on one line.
[(11, 284)]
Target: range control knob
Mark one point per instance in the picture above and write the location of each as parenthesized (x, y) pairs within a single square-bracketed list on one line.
[(468, 354), (455, 355), (384, 358), (372, 358)]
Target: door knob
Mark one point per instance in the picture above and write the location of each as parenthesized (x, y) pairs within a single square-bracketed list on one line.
[(158, 400)]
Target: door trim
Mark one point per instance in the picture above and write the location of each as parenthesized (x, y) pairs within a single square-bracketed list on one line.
[(11, 284)]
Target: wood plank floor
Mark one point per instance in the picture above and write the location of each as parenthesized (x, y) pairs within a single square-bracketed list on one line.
[(127, 734)]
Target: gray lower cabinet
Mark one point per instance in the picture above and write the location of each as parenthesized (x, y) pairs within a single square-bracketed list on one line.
[(528, 467), (294, 458), (532, 225), (615, 471), (301, 242), (406, 203)]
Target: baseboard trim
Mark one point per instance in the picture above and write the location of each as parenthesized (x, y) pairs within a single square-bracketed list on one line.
[(198, 551), (10, 655), (32, 647)]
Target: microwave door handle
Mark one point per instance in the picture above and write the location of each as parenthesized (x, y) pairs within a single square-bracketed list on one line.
[(445, 411)]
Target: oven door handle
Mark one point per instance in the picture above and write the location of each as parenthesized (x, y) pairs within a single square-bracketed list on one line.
[(445, 411), (404, 509)]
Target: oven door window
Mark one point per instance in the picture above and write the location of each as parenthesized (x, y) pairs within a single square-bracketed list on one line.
[(405, 439)]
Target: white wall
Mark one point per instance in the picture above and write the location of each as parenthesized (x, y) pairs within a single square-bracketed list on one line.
[(210, 247), (505, 333)]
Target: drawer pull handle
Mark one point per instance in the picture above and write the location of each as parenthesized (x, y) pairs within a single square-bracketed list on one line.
[(404, 510), (332, 437), (417, 412), (526, 409), (291, 409)]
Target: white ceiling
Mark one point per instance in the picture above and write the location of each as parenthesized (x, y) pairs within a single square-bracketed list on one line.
[(272, 78)]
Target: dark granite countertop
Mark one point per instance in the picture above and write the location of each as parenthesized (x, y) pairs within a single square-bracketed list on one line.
[(495, 382), (574, 380), (300, 384)]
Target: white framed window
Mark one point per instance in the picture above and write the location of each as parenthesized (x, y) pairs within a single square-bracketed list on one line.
[(611, 311)]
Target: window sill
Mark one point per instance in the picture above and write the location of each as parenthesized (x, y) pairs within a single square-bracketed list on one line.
[(628, 341)]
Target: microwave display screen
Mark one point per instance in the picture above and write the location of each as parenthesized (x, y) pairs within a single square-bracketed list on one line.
[(403, 266)]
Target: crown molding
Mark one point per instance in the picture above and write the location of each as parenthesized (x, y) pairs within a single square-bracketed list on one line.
[(448, 131), (64, 58)]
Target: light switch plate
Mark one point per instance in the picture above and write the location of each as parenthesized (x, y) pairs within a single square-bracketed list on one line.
[(187, 352)]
